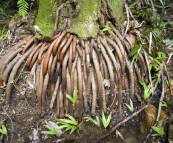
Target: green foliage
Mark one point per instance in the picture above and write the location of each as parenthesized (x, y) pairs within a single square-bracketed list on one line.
[(3, 9), (23, 7), (69, 124), (105, 121), (147, 89), (3, 130), (96, 122), (74, 98), (134, 53), (157, 65), (52, 130), (105, 28), (2, 32), (131, 107), (159, 131), (164, 104)]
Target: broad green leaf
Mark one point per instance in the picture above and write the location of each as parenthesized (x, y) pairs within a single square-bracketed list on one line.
[(131, 108), (158, 130), (134, 59), (135, 50), (96, 122), (105, 28), (104, 121), (52, 132), (72, 119), (164, 104), (72, 99), (69, 124), (4, 130), (65, 121)]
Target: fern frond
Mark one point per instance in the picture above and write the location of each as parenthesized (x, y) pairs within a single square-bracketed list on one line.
[(23, 7)]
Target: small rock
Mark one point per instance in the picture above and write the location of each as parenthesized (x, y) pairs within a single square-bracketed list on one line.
[(149, 117)]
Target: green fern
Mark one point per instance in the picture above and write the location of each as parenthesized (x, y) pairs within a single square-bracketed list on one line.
[(23, 6)]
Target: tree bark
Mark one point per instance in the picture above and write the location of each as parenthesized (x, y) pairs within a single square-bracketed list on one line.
[(83, 15)]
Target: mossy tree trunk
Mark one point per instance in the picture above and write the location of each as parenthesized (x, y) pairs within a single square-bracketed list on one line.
[(83, 14)]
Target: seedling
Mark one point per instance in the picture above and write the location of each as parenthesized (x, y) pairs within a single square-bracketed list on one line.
[(105, 121), (131, 107), (157, 65), (119, 134), (96, 121), (159, 131), (164, 104), (134, 53), (105, 28), (3, 130), (69, 124), (54, 129), (74, 98), (147, 89)]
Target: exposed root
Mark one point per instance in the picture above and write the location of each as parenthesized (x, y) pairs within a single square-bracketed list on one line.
[(44, 90), (80, 89), (28, 43), (111, 73), (94, 92), (13, 73), (97, 69)]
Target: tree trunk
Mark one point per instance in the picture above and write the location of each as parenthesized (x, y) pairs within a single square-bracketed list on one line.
[(84, 16)]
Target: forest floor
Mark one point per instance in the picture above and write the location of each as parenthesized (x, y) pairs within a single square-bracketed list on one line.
[(25, 125)]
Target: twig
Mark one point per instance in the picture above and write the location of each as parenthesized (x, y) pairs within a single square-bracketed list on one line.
[(119, 124), (149, 73), (127, 12)]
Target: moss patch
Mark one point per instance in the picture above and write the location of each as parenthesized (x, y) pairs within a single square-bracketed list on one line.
[(84, 24), (46, 16), (117, 8)]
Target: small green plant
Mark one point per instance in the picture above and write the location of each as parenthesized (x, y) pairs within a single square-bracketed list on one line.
[(3, 130), (131, 107), (54, 129), (164, 104), (74, 98), (159, 131), (96, 121), (105, 121), (147, 89), (105, 28), (23, 6), (69, 124), (134, 53), (157, 65), (3, 9), (2, 32)]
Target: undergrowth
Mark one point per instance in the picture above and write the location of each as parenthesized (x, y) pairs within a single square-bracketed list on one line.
[(23, 7)]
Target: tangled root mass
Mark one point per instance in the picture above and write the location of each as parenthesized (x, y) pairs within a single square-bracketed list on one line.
[(98, 69)]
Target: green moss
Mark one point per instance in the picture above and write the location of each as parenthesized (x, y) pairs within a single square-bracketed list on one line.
[(46, 17), (84, 24), (117, 8)]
